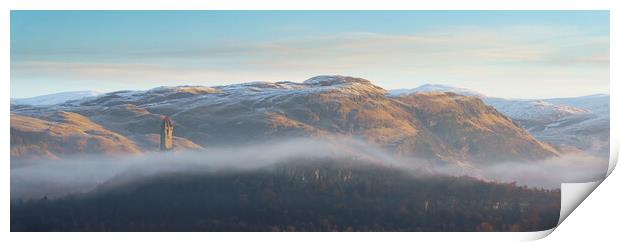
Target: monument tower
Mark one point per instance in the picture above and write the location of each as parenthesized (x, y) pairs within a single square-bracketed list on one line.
[(165, 135)]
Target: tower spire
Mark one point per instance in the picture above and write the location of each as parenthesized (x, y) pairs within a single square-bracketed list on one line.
[(165, 135)]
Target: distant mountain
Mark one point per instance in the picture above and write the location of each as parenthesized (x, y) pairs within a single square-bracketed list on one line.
[(435, 88), (521, 109), (578, 123), (597, 104), (439, 128), (55, 98)]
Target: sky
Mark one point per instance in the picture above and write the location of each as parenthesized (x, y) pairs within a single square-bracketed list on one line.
[(511, 54)]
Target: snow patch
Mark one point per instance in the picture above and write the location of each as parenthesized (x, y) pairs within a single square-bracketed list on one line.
[(56, 98)]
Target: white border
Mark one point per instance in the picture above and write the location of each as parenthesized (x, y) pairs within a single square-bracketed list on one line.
[(282, 5)]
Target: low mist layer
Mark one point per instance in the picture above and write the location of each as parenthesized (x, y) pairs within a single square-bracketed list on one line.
[(54, 178)]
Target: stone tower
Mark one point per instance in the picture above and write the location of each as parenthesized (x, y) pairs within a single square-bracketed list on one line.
[(165, 135)]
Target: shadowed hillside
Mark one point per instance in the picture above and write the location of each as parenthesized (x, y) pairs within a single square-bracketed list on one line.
[(299, 196)]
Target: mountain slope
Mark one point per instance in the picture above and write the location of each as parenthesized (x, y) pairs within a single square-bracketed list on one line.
[(56, 134), (70, 134), (55, 98), (321, 107), (598, 103), (569, 124), (435, 88), (469, 127)]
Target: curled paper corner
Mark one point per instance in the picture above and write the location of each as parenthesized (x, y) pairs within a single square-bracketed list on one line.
[(573, 194)]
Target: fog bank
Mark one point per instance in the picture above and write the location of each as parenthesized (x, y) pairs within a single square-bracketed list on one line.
[(54, 178)]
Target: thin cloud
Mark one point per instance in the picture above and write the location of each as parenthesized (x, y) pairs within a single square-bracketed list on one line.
[(531, 54)]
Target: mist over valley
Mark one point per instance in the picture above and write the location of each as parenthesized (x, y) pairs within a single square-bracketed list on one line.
[(272, 150)]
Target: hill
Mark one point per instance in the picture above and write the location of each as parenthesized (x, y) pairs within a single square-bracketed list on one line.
[(325, 106), (298, 196)]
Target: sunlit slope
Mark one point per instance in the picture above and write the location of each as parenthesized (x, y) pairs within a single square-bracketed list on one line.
[(440, 129)]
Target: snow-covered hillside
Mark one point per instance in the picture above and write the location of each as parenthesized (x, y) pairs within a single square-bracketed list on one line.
[(52, 99), (598, 103), (435, 88), (533, 110), (520, 109), (568, 123), (580, 123), (320, 107)]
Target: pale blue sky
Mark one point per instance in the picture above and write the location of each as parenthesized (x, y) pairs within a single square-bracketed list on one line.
[(500, 53)]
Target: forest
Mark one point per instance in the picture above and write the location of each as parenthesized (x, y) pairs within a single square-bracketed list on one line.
[(294, 196)]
